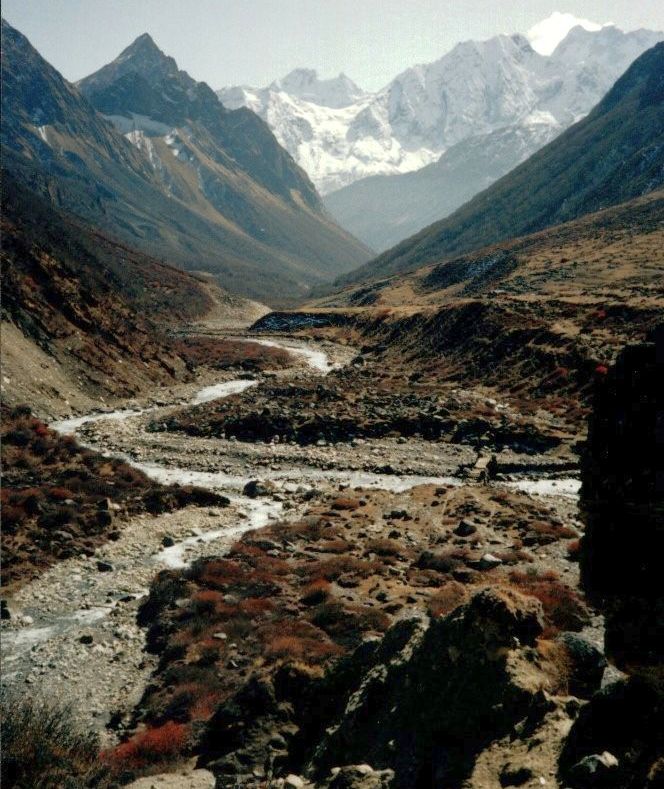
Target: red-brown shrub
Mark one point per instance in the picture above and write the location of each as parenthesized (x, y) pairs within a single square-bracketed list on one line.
[(160, 744), (60, 494), (563, 607), (316, 592), (574, 550)]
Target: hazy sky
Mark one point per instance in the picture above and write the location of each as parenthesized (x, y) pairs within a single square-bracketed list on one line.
[(227, 42)]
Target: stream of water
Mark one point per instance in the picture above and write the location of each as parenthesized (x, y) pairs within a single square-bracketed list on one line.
[(254, 513)]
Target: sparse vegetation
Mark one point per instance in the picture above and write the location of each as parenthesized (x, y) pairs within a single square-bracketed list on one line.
[(43, 749), (60, 499), (224, 354), (563, 606)]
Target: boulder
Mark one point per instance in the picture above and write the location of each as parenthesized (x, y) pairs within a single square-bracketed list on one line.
[(255, 488), (420, 702), (587, 664), (465, 529)]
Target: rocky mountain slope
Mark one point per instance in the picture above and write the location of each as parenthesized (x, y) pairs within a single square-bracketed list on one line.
[(204, 188), (382, 210), (614, 154), (84, 316), (441, 132)]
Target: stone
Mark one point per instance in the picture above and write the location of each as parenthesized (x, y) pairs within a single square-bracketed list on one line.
[(167, 541), (359, 776), (86, 639), (104, 567), (255, 488), (294, 782), (489, 561), (587, 664), (465, 529), (594, 770), (104, 518), (4, 610)]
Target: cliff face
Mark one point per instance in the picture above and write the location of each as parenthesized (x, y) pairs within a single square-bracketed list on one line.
[(618, 739), (623, 503)]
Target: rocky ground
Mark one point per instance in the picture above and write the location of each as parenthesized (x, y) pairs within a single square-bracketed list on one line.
[(418, 531)]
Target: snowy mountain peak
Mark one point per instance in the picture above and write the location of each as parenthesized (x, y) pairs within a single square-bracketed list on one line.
[(340, 134), (545, 36), (305, 84)]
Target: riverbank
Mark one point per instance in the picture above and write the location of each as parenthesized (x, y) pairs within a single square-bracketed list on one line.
[(76, 624)]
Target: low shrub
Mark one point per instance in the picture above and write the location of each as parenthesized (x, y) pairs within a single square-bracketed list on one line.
[(384, 547), (316, 592), (42, 748), (446, 599), (574, 550), (563, 607), (153, 746)]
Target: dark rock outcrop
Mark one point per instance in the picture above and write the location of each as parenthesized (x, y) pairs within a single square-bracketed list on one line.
[(618, 740), (623, 505)]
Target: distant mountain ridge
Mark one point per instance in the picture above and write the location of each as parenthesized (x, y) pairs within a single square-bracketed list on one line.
[(205, 188), (614, 154), (473, 90), (384, 209)]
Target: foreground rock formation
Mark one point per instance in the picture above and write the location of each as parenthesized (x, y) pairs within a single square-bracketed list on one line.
[(619, 738), (420, 705)]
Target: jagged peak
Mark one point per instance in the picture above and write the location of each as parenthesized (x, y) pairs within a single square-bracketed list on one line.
[(143, 57), (339, 91), (144, 47)]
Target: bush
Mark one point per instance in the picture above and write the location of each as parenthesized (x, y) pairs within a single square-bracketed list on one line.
[(563, 608), (43, 749), (152, 746), (446, 599), (316, 592)]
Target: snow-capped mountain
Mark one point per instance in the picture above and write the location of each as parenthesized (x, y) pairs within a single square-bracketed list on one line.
[(340, 134), (545, 36)]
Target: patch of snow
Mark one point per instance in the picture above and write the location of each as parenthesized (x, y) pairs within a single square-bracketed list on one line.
[(137, 122)]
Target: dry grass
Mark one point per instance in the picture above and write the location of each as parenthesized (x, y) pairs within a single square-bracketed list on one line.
[(563, 607), (43, 749)]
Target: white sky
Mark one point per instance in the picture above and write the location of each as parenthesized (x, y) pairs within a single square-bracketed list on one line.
[(227, 42)]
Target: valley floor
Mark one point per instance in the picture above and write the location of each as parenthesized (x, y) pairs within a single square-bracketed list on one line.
[(73, 635)]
